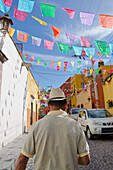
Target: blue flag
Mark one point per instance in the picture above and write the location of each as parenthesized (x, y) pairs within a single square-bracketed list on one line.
[(90, 51), (3, 7), (77, 50), (111, 48), (26, 5)]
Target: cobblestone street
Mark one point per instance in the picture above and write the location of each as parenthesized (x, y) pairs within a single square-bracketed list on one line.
[(101, 151)]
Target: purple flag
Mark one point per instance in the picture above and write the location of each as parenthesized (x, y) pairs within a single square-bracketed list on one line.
[(70, 36), (36, 40), (86, 18)]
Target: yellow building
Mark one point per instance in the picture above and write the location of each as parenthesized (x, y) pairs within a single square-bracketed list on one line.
[(78, 82), (108, 86), (33, 101), (84, 99)]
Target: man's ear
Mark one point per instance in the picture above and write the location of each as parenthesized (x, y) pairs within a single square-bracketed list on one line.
[(66, 106), (48, 106)]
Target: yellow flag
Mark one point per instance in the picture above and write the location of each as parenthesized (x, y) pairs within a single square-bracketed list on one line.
[(91, 57), (59, 63), (40, 21), (11, 31), (91, 71)]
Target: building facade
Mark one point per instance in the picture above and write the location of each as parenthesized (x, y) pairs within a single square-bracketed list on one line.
[(66, 87), (106, 72), (33, 101), (13, 87), (78, 83)]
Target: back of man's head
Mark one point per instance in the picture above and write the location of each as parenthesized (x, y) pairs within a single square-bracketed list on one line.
[(57, 98)]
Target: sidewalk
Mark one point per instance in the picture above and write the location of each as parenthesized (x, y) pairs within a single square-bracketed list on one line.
[(10, 153)]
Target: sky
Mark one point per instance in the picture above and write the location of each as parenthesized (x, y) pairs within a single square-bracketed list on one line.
[(51, 77)]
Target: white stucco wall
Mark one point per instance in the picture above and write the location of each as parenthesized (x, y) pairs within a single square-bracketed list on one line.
[(13, 107)]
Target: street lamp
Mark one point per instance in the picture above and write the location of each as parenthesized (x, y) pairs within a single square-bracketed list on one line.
[(4, 23)]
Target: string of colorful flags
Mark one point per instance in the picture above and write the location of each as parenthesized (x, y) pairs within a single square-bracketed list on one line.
[(26, 6), (84, 50), (73, 63), (49, 10)]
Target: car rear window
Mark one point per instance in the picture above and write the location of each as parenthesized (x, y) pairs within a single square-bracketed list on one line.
[(98, 113), (75, 111)]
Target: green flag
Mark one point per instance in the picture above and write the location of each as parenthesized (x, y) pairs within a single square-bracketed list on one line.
[(63, 47), (79, 62), (78, 69), (106, 50), (97, 70), (39, 60), (48, 10), (70, 49), (45, 64), (101, 45), (24, 57)]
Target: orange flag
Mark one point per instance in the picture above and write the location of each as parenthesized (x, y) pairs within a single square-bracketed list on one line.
[(53, 61), (106, 21), (99, 54), (84, 70), (11, 31), (100, 61), (21, 54), (65, 69), (56, 31), (22, 36)]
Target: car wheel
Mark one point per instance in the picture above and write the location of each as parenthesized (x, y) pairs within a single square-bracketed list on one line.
[(89, 134)]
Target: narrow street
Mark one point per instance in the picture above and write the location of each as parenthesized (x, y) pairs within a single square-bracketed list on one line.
[(101, 151)]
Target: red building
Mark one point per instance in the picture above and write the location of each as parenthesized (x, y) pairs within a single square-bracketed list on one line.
[(66, 87)]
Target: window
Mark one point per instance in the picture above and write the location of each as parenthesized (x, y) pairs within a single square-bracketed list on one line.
[(31, 117), (36, 110), (83, 85), (81, 105)]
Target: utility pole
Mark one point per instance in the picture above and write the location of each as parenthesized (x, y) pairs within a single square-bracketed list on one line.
[(95, 85)]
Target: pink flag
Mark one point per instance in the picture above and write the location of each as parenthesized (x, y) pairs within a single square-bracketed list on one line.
[(8, 2), (70, 36), (48, 44), (58, 68), (65, 62), (51, 66), (21, 15), (36, 40), (86, 62), (85, 41), (104, 71), (108, 56), (86, 18), (70, 12)]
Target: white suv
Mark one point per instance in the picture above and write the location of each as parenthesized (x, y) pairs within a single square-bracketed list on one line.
[(96, 121)]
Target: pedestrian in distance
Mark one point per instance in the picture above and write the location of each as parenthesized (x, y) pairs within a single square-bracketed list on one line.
[(56, 141)]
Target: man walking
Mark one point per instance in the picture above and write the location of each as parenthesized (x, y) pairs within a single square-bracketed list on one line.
[(57, 141)]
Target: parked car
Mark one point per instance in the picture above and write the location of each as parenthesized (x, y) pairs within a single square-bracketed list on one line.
[(74, 113), (95, 122)]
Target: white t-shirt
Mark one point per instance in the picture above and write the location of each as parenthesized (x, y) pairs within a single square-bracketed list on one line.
[(56, 140)]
